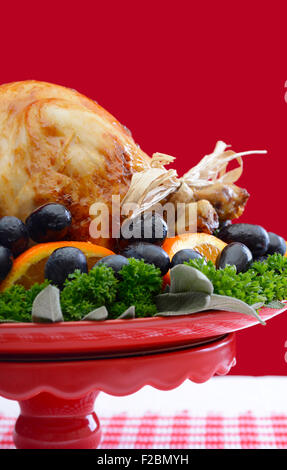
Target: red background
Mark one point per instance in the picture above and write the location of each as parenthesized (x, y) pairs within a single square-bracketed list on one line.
[(181, 75)]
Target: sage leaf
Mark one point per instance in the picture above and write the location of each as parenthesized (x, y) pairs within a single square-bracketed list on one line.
[(182, 303), (231, 304), (98, 314), (258, 305), (9, 321), (184, 278), (129, 313), (276, 304), (46, 306)]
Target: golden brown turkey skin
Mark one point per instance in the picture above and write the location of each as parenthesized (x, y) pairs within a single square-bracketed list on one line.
[(56, 145), (207, 218), (227, 199)]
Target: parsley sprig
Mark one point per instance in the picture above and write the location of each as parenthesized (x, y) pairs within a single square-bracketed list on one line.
[(16, 302), (264, 282), (83, 292), (139, 283)]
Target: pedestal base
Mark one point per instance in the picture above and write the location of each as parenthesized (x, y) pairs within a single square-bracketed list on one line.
[(49, 422), (57, 397)]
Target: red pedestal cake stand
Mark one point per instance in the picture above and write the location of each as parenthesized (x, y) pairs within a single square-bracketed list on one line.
[(56, 371)]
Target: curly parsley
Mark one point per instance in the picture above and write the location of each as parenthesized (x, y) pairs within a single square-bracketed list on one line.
[(83, 292), (264, 282), (139, 283), (16, 302)]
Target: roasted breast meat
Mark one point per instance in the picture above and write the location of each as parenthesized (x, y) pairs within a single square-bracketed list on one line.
[(56, 145)]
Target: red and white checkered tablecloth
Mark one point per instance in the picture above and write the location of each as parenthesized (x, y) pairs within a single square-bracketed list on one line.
[(183, 431)]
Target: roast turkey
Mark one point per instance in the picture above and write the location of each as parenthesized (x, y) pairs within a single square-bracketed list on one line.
[(56, 145)]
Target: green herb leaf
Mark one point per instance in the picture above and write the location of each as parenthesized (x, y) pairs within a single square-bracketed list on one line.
[(83, 292), (276, 304), (230, 304), (138, 285), (181, 303), (46, 306), (128, 314), (16, 302), (185, 278), (98, 314), (262, 283)]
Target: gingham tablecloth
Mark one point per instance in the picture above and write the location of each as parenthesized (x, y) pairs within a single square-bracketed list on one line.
[(226, 412)]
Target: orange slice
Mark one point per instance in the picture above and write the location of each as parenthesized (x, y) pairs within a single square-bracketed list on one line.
[(207, 245), (28, 268)]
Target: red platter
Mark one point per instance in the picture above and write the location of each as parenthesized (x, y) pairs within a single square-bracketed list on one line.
[(120, 337)]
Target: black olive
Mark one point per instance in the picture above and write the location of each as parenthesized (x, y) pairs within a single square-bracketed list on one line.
[(222, 225), (151, 254), (116, 262), (64, 261), (184, 255), (14, 235), (49, 223), (147, 227), (235, 254), (6, 262), (254, 237), (277, 244)]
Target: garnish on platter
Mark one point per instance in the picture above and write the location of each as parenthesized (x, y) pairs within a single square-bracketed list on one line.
[(69, 157), (192, 292), (29, 267)]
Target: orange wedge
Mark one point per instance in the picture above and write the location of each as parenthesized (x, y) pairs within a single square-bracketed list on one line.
[(28, 268), (207, 245)]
